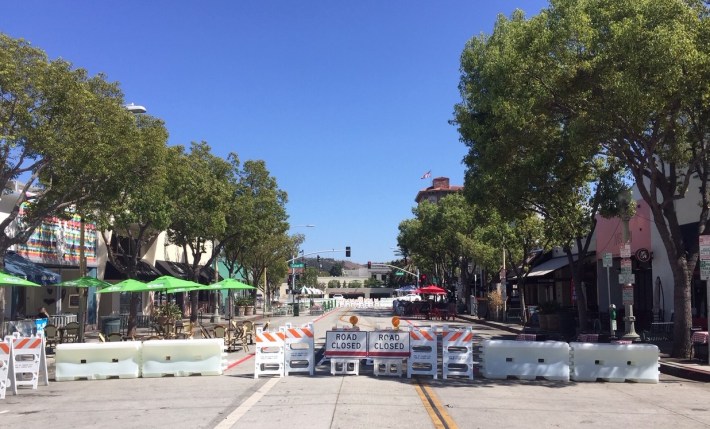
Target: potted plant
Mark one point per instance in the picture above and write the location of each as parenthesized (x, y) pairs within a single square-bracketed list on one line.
[(247, 305), (168, 313), (549, 315)]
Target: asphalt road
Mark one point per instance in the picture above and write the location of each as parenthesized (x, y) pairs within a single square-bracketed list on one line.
[(237, 400)]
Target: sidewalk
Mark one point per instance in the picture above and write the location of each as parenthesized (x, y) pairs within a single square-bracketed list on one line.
[(691, 369)]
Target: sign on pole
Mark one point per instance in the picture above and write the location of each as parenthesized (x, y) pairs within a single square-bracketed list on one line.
[(627, 294), (625, 250), (607, 261), (297, 265), (704, 270)]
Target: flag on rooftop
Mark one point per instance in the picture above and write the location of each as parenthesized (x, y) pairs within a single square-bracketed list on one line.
[(426, 175)]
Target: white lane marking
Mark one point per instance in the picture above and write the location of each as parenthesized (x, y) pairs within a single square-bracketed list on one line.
[(4, 411), (237, 414)]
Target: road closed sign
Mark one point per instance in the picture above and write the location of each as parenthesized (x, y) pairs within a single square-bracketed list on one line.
[(346, 344), (388, 344)]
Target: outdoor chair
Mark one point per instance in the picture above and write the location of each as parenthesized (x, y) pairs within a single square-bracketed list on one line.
[(248, 331), (50, 335), (71, 333), (238, 339), (220, 331)]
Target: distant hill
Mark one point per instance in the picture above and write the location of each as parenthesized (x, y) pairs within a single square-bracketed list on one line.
[(327, 263)]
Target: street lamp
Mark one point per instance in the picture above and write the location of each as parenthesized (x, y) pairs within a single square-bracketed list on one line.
[(626, 211)]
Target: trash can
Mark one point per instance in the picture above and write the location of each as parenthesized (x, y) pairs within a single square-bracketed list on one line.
[(110, 325), (296, 309)]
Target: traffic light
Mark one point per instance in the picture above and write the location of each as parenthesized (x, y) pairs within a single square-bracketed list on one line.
[(422, 279), (347, 251), (318, 259), (369, 265)]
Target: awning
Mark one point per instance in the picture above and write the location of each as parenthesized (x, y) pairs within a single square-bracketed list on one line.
[(549, 266), (19, 266), (182, 270), (144, 272)]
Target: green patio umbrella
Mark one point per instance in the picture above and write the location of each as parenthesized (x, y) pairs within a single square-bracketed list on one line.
[(129, 285), (10, 280), (182, 289), (169, 282), (85, 282), (227, 284)]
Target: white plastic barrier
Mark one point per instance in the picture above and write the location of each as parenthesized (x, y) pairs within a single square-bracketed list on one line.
[(457, 347), (4, 366), (184, 357), (270, 356), (526, 360), (28, 362), (299, 349), (423, 357), (97, 361), (615, 362)]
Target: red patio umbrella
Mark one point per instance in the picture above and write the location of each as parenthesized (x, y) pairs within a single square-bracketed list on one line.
[(431, 290)]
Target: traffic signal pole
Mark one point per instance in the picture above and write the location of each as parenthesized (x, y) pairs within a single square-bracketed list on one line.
[(397, 268)]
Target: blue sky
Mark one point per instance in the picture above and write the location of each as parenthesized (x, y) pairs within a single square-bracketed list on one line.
[(348, 103)]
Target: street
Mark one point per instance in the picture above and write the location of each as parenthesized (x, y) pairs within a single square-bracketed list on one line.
[(237, 400)]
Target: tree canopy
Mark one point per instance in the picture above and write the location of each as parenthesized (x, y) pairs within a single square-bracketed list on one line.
[(624, 82)]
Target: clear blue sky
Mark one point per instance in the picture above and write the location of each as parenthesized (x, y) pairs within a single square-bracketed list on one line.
[(347, 102)]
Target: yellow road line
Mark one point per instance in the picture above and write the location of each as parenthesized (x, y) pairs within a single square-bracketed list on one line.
[(437, 413)]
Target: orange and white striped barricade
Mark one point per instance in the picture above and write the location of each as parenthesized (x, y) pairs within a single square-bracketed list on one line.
[(388, 349), (28, 361), (423, 356), (299, 349), (457, 346), (345, 348), (270, 357), (5, 347)]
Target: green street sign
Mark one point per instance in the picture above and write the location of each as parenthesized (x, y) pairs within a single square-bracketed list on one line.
[(297, 265), (399, 273)]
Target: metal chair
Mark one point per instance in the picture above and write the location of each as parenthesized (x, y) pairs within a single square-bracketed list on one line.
[(248, 331), (50, 335), (71, 333)]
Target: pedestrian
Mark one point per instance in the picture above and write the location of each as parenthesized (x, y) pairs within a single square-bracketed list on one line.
[(42, 313)]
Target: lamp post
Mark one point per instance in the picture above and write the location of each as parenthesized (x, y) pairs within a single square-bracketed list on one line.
[(626, 212)]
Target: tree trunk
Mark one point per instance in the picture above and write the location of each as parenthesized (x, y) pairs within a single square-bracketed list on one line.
[(681, 307), (133, 315)]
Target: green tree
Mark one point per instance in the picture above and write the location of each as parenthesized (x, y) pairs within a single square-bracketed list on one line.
[(333, 284), (63, 133), (143, 208), (623, 80), (258, 226), (199, 188), (336, 270)]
